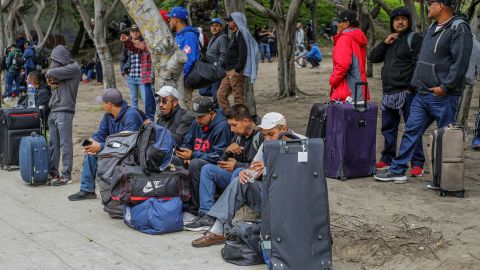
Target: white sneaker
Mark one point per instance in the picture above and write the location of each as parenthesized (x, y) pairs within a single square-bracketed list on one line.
[(188, 217)]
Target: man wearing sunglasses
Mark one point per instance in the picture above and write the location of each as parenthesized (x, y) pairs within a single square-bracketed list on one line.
[(439, 79), (171, 115)]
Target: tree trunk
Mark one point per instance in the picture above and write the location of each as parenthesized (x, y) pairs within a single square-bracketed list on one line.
[(423, 27), (167, 58), (234, 6), (410, 4), (78, 39), (471, 11), (10, 27), (475, 25), (42, 41), (286, 67), (313, 11)]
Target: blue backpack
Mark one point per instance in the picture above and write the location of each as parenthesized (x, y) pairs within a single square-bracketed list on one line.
[(155, 216)]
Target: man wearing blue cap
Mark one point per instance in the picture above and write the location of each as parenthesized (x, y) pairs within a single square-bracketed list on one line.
[(187, 40), (216, 50)]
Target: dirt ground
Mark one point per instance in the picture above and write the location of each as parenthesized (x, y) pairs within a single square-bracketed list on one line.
[(374, 225)]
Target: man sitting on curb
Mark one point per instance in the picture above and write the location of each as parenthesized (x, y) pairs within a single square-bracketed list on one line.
[(244, 190), (204, 143), (172, 116), (118, 117), (236, 158)]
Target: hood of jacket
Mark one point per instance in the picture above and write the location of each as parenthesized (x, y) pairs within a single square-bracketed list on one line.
[(62, 55), (401, 11), (356, 34), (189, 28)]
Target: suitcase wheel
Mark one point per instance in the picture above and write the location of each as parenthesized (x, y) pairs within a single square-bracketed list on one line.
[(443, 193), (460, 194)]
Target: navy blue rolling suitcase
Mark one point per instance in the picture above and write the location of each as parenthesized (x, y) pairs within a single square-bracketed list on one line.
[(34, 159)]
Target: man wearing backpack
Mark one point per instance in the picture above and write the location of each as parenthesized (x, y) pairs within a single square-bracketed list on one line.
[(29, 56), (439, 79), (14, 66), (118, 117), (399, 52), (237, 157), (187, 40)]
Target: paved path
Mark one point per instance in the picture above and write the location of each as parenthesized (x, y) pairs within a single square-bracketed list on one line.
[(41, 229)]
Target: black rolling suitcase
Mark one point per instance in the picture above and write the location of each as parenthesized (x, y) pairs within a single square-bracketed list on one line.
[(295, 227), (15, 124), (317, 121)]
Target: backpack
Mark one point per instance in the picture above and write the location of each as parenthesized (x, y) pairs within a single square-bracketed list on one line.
[(40, 60), (474, 65), (242, 246), (154, 149), (409, 40), (18, 61)]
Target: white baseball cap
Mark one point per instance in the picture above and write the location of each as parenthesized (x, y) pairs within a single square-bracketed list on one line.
[(166, 91), (272, 119)]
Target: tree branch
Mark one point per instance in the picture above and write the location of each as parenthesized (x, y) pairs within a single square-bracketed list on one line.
[(268, 12), (85, 17), (5, 4), (111, 9), (40, 5), (292, 14), (41, 43), (384, 5)]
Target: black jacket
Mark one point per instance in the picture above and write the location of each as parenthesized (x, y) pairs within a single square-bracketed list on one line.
[(250, 147), (399, 58), (178, 122), (236, 56)]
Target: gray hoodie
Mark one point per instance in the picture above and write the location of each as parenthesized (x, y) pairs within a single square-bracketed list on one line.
[(67, 72)]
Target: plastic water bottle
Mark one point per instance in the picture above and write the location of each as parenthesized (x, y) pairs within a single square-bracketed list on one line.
[(31, 95)]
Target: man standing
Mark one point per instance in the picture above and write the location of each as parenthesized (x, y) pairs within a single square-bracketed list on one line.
[(241, 60), (29, 55), (264, 46), (216, 49), (172, 116), (14, 64), (64, 76), (131, 65), (187, 40), (349, 57), (439, 79), (399, 51), (118, 117), (299, 37)]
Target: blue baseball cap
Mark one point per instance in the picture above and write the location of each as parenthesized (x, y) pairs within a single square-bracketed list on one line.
[(216, 20), (179, 12)]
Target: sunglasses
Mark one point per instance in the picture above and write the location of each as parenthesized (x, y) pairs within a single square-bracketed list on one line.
[(162, 100)]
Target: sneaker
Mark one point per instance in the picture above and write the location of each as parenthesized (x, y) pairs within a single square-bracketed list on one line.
[(388, 176), (416, 171), (202, 223), (475, 144), (82, 195), (432, 186), (51, 178), (188, 217), (208, 239), (382, 166), (61, 181), (86, 81)]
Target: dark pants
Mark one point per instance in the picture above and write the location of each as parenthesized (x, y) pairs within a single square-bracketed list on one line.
[(313, 61), (99, 72), (211, 91), (390, 123), (12, 84), (424, 110)]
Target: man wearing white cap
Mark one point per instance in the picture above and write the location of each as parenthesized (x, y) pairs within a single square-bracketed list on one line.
[(246, 190), (171, 115)]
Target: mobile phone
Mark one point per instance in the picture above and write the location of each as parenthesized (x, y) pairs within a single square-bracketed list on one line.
[(177, 148), (86, 142), (217, 157)]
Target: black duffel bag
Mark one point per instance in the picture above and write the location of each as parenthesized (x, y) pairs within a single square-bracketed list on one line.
[(204, 72), (130, 184), (242, 245)]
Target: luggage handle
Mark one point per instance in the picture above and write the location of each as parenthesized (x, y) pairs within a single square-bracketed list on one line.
[(355, 99), (289, 135)]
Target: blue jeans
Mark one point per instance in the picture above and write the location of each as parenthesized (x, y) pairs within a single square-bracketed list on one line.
[(424, 110), (90, 75), (134, 85), (89, 173), (265, 50), (12, 84), (211, 91), (314, 61), (390, 123), (212, 176), (149, 101)]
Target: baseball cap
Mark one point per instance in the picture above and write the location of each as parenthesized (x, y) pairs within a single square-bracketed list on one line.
[(271, 120), (166, 91), (179, 12), (165, 15), (134, 28), (111, 95), (347, 16), (216, 20), (201, 106)]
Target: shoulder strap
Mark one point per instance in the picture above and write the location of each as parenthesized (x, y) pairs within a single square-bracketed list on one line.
[(409, 39), (142, 144), (457, 22), (256, 141)]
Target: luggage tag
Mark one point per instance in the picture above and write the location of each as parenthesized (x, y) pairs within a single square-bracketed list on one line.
[(303, 156)]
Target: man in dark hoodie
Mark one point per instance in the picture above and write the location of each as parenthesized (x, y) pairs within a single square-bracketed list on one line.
[(204, 143), (399, 51), (118, 117), (187, 40), (237, 157), (67, 75), (439, 79)]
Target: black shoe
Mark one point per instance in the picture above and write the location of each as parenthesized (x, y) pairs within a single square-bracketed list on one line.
[(61, 181), (82, 195), (202, 223)]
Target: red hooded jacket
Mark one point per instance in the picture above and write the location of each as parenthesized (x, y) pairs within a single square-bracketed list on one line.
[(349, 59)]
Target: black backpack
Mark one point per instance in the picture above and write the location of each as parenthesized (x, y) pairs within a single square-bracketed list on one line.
[(40, 60), (242, 246), (18, 60)]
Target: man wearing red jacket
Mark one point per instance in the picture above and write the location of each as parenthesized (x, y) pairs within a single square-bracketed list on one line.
[(349, 58)]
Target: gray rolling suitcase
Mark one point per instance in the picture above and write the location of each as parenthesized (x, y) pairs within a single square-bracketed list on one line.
[(295, 227)]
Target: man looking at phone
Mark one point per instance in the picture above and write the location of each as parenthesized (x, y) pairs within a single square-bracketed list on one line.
[(236, 158), (118, 117), (204, 143), (245, 190)]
